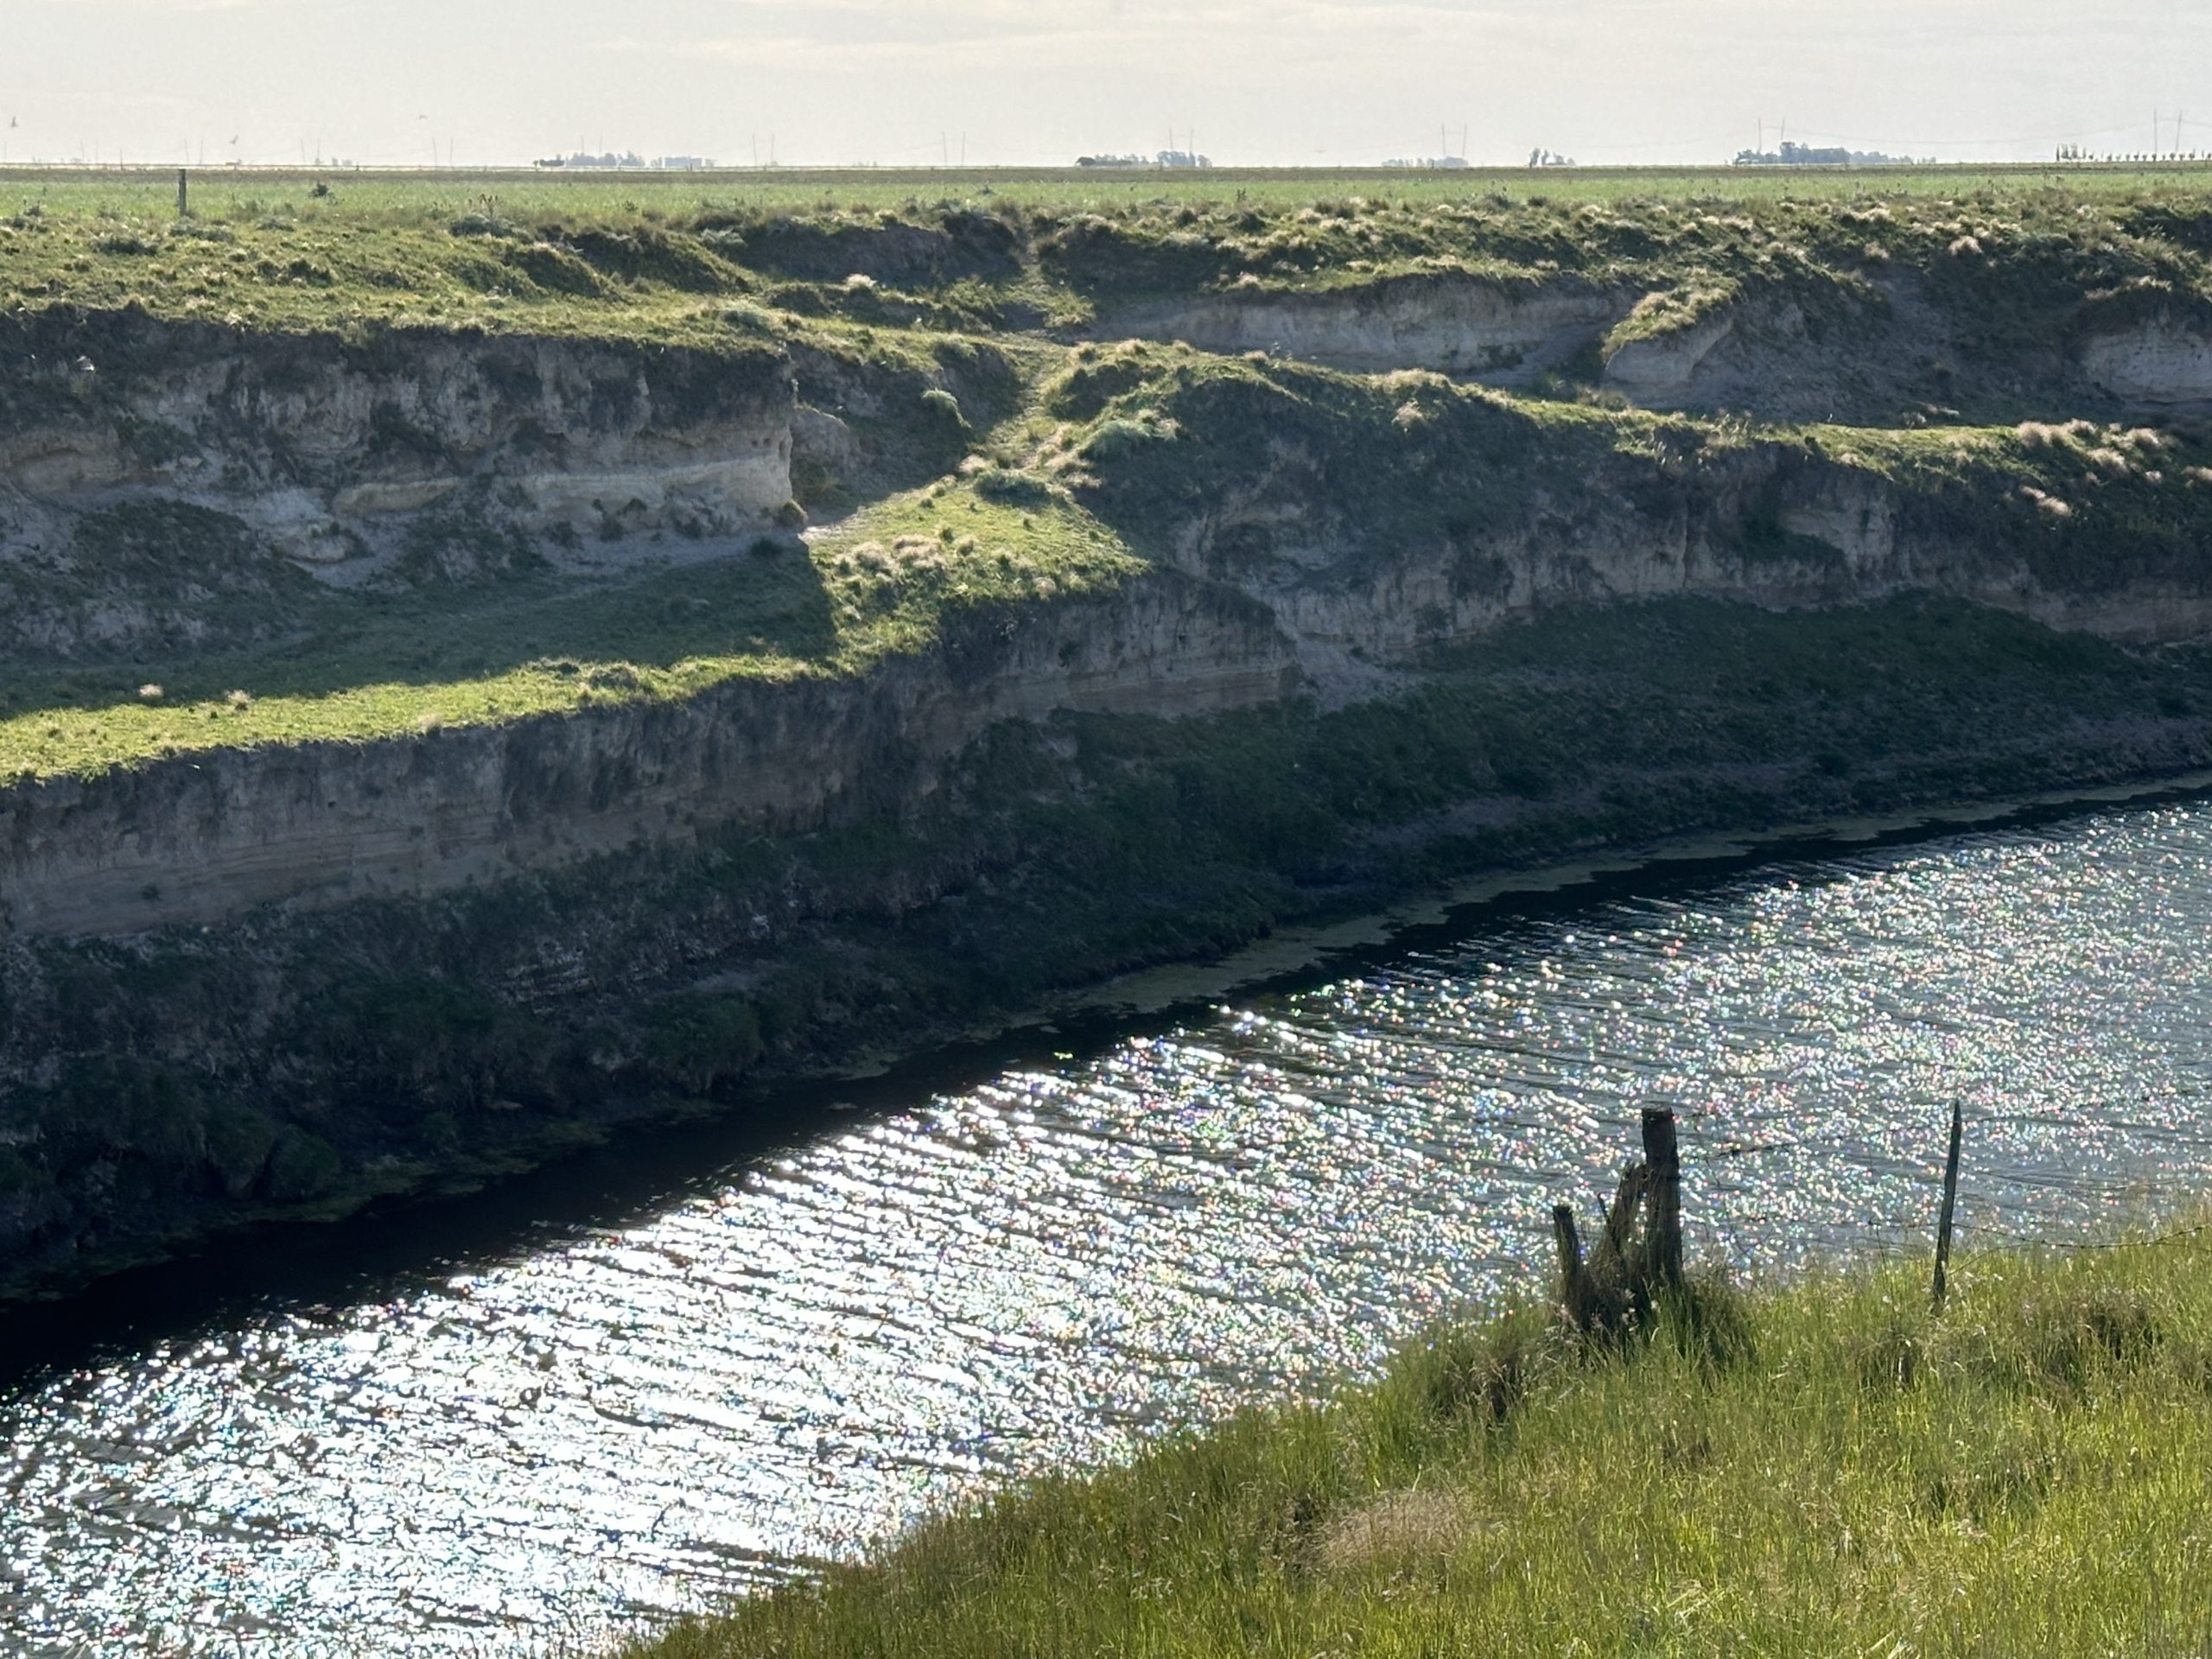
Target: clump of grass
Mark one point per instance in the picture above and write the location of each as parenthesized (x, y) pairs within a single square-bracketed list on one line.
[(1824, 1469), (943, 406)]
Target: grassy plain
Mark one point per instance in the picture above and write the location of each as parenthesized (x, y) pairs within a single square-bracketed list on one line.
[(662, 256), (1821, 1469), (405, 195)]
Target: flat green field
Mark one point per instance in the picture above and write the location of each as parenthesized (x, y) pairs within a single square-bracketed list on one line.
[(401, 196)]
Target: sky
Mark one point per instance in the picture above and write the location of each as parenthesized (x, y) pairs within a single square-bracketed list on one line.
[(1012, 82)]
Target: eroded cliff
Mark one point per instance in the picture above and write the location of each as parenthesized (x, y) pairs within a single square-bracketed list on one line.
[(420, 747)]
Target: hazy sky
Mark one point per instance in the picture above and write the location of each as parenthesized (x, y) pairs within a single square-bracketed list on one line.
[(1261, 82)]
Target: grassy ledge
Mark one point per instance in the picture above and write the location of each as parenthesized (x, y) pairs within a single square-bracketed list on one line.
[(1815, 1469), (883, 582)]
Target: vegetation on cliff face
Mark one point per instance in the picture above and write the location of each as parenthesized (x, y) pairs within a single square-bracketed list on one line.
[(975, 457), (666, 259), (1375, 463), (1110, 463), (1819, 1469), (353, 666)]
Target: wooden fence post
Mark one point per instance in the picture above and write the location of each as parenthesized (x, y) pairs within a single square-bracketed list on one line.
[(1950, 1204), (1573, 1278), (1639, 1250), (183, 210), (1662, 1239)]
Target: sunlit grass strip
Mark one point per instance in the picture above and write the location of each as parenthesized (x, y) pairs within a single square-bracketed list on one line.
[(1817, 1470), (888, 579)]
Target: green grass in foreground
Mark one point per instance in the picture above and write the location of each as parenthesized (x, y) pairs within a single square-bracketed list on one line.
[(1819, 1470)]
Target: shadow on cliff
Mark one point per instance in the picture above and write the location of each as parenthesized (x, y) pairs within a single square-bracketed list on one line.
[(768, 600)]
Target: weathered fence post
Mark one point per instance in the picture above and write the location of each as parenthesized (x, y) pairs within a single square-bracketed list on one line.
[(1950, 1204), (183, 209), (1573, 1278), (1664, 1230), (1639, 1250)]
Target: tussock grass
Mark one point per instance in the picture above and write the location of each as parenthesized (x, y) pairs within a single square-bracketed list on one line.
[(687, 258), (1819, 1469)]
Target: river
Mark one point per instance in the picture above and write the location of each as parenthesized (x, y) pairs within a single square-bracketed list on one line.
[(680, 1369)]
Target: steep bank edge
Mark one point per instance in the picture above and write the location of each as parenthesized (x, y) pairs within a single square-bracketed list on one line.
[(199, 839), (299, 1060)]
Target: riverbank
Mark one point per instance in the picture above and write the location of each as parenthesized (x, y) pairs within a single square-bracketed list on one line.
[(657, 1379), (434, 737), (1817, 1468), (159, 1081)]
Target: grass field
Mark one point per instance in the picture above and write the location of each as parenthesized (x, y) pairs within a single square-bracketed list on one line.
[(403, 196), (664, 256), (1818, 1470)]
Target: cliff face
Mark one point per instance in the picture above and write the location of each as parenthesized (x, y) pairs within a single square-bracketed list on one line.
[(1503, 337), (1766, 527), (2161, 364), (1126, 653), (1299, 547), (329, 452), (203, 838), (1888, 345)]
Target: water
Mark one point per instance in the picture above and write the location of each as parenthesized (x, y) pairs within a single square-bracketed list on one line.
[(790, 1357)]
